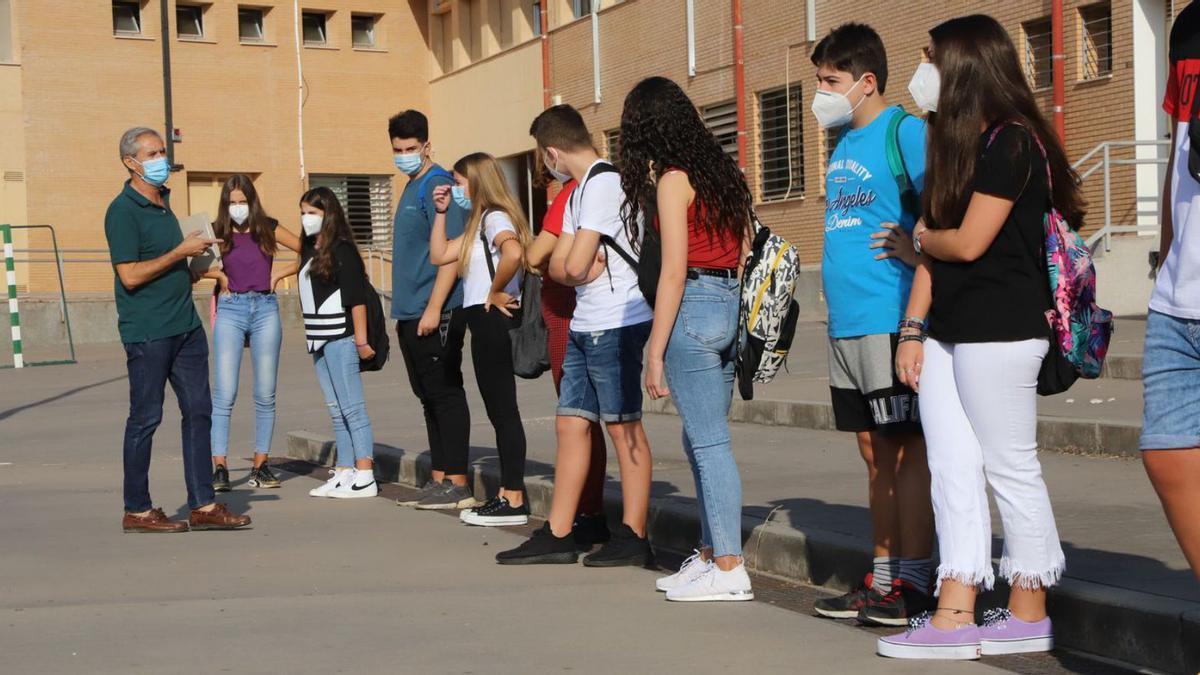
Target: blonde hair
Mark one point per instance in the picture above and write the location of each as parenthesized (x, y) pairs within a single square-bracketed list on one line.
[(489, 192)]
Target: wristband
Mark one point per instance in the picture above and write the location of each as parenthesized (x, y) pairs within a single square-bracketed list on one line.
[(910, 338), (441, 211), (917, 241), (365, 344)]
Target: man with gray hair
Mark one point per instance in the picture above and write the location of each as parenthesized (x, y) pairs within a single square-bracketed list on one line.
[(164, 341)]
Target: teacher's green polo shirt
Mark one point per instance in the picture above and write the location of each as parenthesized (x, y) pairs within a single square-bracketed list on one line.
[(138, 229)]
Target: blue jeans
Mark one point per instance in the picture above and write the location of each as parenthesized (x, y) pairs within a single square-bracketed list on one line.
[(699, 368), (602, 374), (181, 360), (337, 372), (249, 316), (1171, 381)]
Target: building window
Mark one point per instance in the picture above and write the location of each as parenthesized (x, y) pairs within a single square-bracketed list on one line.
[(189, 22), (537, 17), (250, 24), (362, 30), (581, 7), (721, 120), (781, 144), (367, 201), (1095, 56), (314, 29), (1039, 69), (612, 144), (127, 18)]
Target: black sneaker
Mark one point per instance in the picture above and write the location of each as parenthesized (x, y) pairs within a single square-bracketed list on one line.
[(497, 514), (220, 479), (590, 530), (624, 549), (899, 605), (849, 605), (263, 477), (488, 505), (543, 548)]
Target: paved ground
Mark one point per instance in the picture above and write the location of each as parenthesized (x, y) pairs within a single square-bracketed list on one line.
[(326, 587)]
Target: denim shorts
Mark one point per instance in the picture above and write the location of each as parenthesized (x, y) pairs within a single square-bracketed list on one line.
[(602, 374), (1171, 381)]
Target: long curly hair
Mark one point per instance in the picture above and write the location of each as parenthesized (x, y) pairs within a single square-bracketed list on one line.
[(661, 129), (334, 228), (259, 224)]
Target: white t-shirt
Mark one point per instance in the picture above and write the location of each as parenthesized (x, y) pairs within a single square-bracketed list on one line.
[(478, 281), (611, 300), (1177, 289)]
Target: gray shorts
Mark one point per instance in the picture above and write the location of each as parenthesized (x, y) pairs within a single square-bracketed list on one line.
[(863, 387)]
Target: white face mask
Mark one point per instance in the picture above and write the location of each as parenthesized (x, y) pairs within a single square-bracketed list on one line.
[(833, 109), (558, 176), (926, 86), (239, 212), (311, 222)]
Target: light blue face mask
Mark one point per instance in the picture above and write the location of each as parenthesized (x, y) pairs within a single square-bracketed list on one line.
[(155, 171), (409, 163), (460, 197)]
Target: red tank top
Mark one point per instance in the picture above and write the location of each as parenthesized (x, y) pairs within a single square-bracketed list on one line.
[(705, 249)]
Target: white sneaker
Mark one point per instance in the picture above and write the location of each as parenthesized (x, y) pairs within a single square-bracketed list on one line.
[(691, 568), (715, 584), (360, 485), (336, 477)]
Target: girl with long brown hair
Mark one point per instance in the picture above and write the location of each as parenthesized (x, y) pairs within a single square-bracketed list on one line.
[(994, 168), (247, 315), (490, 257)]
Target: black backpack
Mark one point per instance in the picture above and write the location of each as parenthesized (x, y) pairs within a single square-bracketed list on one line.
[(377, 332), (648, 264), (530, 339)]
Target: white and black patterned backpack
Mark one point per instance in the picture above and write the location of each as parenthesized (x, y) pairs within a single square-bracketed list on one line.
[(769, 309)]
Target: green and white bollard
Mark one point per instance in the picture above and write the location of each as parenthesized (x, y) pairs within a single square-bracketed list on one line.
[(10, 273)]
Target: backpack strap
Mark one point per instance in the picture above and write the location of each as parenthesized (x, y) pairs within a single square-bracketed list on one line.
[(597, 169), (433, 172), (487, 250), (895, 159)]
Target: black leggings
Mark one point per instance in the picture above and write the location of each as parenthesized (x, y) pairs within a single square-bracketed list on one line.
[(491, 354)]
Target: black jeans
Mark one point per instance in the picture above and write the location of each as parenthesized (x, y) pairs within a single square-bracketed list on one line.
[(181, 360), (491, 354), (434, 365)]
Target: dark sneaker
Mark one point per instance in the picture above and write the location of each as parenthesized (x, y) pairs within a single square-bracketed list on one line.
[(451, 496), (497, 514), (263, 477), (590, 530), (427, 489), (624, 549), (900, 604), (849, 605), (221, 478), (543, 548), (486, 506)]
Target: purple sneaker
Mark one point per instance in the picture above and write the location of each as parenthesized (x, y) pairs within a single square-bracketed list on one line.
[(923, 640), (1003, 633)]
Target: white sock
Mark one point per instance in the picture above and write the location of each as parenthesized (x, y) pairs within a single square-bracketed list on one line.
[(886, 569), (364, 476)]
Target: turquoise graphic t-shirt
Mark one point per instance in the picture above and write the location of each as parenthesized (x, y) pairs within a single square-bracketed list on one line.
[(866, 296)]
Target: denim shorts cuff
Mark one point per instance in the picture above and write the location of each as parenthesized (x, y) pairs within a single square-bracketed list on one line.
[(617, 418), (1169, 442), (578, 412)]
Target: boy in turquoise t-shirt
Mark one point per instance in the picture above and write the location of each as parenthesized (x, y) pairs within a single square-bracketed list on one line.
[(872, 188)]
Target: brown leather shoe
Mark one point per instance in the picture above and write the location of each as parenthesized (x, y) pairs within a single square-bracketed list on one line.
[(153, 522), (219, 518)]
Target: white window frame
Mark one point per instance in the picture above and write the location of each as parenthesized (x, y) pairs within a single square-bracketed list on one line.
[(136, 5), (371, 33), (198, 21), (261, 25), (324, 28)]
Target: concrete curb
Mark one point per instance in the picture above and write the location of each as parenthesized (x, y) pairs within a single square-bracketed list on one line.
[(1060, 434), (1154, 631), (1122, 367)]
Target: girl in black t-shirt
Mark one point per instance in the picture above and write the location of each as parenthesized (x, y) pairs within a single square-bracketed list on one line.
[(983, 286)]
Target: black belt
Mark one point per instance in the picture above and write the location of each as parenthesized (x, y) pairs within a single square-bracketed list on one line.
[(697, 272)]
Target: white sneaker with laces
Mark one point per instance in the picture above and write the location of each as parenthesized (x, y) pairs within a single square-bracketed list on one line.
[(360, 485), (335, 479), (691, 568), (714, 585)]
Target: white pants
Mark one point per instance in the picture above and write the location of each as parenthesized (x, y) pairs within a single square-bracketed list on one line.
[(979, 410)]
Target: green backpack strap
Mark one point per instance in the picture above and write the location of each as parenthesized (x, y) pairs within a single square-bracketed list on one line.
[(909, 201)]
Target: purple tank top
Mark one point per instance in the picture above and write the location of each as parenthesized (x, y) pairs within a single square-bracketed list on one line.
[(248, 268)]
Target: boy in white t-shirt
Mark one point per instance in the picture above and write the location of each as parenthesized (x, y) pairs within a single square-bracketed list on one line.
[(602, 371)]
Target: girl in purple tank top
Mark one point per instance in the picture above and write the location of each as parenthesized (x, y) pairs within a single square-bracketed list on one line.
[(247, 314)]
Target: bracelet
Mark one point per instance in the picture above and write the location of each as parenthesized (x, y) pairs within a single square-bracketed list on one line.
[(441, 211), (912, 323), (911, 338), (365, 344), (917, 241)]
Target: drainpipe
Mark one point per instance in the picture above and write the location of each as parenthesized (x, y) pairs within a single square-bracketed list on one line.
[(596, 52), (545, 29), (166, 73), (691, 37), (1057, 63), (739, 82)]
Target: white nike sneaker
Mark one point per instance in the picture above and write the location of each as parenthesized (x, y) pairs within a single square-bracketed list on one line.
[(336, 478), (361, 485), (713, 585), (689, 571)]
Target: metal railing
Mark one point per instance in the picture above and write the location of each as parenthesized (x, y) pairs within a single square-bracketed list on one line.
[(1100, 158)]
